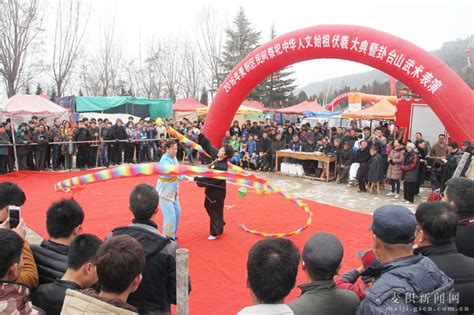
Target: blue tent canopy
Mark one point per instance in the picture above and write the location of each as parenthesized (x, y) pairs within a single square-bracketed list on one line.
[(321, 114)]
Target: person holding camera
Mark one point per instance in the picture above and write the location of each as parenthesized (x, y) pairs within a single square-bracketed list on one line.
[(12, 198), (42, 139)]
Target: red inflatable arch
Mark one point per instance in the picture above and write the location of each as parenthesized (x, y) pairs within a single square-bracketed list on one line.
[(449, 97)]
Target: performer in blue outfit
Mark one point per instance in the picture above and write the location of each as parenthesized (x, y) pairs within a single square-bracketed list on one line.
[(167, 187)]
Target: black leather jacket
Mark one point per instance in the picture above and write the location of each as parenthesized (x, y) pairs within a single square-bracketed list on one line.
[(50, 296)]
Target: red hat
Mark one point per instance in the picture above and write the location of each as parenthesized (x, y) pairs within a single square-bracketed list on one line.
[(367, 256)]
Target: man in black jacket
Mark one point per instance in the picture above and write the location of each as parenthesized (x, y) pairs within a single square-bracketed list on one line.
[(82, 134), (435, 235), (309, 166), (343, 163), (451, 162), (254, 129), (362, 157), (41, 138), (157, 291), (80, 274), (95, 137), (264, 148), (118, 132), (277, 145), (63, 223), (460, 193)]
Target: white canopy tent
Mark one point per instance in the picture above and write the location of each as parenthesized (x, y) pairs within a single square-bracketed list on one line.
[(20, 108)]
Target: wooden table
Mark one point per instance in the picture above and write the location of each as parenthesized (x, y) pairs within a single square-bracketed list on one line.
[(307, 156)]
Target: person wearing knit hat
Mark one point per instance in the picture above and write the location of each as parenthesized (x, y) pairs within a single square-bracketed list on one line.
[(321, 260), (407, 283), (410, 168)]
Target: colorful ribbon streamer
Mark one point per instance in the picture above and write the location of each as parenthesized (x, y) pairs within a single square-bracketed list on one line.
[(262, 187), (131, 170), (187, 142), (266, 188), (238, 176)]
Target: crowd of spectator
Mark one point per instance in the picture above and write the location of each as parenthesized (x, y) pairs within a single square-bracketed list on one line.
[(132, 271), (362, 157), (89, 143), (419, 263)]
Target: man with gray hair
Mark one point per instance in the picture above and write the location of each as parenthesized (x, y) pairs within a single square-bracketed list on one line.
[(408, 283), (322, 256)]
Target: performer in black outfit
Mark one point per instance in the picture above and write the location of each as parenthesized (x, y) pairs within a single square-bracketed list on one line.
[(215, 188)]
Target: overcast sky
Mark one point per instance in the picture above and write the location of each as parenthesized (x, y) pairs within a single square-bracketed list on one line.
[(426, 23)]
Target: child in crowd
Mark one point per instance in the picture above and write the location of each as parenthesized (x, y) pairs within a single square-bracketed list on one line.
[(251, 145), (235, 159), (254, 162), (244, 161), (235, 143), (243, 147), (142, 135), (161, 146)]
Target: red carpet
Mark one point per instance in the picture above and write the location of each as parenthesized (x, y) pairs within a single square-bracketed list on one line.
[(217, 268)]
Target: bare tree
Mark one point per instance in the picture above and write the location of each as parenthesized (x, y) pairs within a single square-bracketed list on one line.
[(191, 71), (143, 74), (90, 76), (20, 26), (165, 59), (152, 82), (110, 56), (210, 42), (101, 73), (71, 24)]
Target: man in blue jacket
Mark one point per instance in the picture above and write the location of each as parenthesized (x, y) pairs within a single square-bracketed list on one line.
[(407, 284)]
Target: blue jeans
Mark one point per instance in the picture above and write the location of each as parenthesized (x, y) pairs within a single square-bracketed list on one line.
[(56, 154), (103, 157), (171, 213), (144, 153), (189, 153)]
